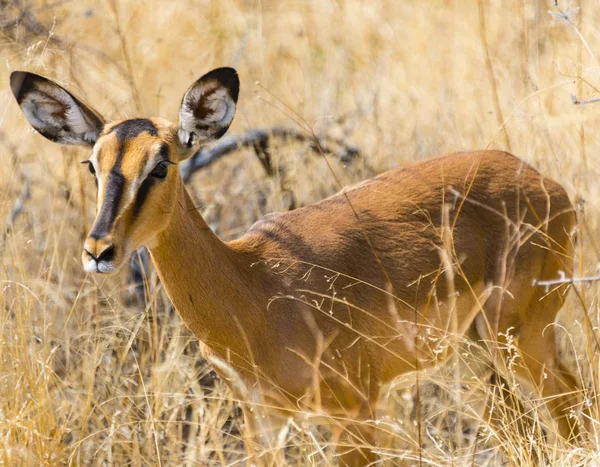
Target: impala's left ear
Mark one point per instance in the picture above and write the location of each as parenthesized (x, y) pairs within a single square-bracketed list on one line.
[(208, 107), (54, 112)]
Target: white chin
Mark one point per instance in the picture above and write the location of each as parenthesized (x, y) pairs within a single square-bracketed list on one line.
[(102, 267), (90, 266), (105, 267)]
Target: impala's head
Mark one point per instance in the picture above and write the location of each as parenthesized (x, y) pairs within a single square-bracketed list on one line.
[(132, 161)]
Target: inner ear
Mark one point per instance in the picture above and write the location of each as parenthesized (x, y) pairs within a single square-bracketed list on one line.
[(54, 112), (208, 107)]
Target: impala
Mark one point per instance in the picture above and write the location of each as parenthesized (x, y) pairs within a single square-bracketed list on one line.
[(319, 308)]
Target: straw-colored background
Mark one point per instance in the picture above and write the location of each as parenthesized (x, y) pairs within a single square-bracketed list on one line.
[(87, 375)]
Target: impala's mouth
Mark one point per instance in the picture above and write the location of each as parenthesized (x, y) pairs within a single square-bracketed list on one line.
[(105, 264)]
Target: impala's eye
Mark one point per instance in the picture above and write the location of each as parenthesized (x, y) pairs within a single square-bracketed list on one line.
[(160, 171), (90, 167)]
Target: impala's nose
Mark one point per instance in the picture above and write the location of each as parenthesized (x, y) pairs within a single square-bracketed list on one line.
[(98, 254)]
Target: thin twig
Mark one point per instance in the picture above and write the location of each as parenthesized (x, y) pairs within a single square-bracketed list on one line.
[(492, 77), (17, 209), (113, 10), (576, 101), (562, 16), (563, 279), (27, 20)]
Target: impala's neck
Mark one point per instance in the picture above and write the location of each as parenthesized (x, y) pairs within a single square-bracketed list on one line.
[(207, 280)]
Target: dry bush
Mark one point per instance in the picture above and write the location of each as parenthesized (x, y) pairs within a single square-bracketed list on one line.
[(88, 375)]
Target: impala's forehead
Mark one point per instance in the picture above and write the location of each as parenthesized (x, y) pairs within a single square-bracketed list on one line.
[(128, 146)]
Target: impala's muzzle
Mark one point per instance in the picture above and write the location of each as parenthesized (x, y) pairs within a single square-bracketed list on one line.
[(100, 255)]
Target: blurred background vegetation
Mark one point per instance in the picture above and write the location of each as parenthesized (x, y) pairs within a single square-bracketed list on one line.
[(92, 372)]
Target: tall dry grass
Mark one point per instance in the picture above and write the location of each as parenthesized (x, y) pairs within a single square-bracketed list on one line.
[(88, 376)]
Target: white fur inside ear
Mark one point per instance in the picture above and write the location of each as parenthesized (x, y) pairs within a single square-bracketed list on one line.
[(185, 137), (207, 110), (53, 112), (218, 101)]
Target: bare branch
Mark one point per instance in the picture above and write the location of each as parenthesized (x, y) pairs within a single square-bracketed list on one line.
[(259, 140)]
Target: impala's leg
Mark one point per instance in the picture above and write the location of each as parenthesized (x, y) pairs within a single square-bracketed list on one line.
[(254, 439), (531, 313), (359, 438), (261, 429), (261, 425), (535, 363), (252, 442), (356, 444), (538, 346), (497, 326), (542, 367)]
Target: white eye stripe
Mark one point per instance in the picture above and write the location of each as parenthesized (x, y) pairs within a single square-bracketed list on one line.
[(94, 161)]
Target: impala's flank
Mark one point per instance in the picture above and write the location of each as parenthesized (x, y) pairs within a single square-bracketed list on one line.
[(318, 308)]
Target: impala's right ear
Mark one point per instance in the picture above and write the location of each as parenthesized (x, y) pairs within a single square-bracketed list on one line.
[(54, 112), (208, 107)]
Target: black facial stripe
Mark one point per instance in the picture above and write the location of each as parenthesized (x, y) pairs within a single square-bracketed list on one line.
[(116, 181), (110, 205), (132, 128), (142, 194)]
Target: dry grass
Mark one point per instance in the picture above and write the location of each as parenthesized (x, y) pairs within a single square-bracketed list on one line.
[(87, 376)]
